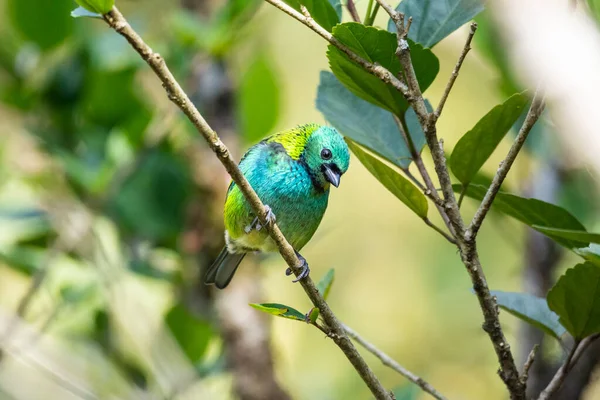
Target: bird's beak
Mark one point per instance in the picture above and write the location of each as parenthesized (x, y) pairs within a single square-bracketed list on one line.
[(332, 174)]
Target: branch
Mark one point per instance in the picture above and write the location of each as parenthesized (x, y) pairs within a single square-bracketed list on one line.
[(536, 109), (572, 358), (176, 94), (352, 10), (454, 75), (528, 364), (390, 362)]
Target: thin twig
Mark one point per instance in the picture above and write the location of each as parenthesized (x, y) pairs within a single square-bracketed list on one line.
[(528, 364), (377, 70), (393, 364), (176, 94), (413, 179), (576, 351), (439, 230), (536, 109), (352, 10), (454, 75)]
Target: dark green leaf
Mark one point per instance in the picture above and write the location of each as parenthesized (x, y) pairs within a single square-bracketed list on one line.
[(280, 310), (531, 212), (576, 299), (337, 6), (82, 12), (152, 201), (26, 259), (433, 20), (476, 146), (322, 11), (192, 333), (531, 309), (324, 285), (378, 46), (364, 123), (400, 187), (569, 234), (259, 99), (46, 23), (96, 6)]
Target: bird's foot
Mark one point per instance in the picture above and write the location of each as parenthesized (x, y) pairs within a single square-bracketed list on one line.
[(256, 224), (304, 268)]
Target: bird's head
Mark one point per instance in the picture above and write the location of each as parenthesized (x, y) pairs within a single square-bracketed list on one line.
[(327, 156)]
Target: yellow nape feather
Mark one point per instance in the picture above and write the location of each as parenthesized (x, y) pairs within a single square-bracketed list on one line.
[(295, 139)]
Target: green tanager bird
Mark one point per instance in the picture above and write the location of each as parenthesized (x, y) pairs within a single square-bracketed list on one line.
[(292, 172)]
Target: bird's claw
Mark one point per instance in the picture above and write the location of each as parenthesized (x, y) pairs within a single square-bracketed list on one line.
[(256, 224), (305, 270)]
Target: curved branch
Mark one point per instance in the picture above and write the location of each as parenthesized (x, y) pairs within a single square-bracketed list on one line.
[(176, 94)]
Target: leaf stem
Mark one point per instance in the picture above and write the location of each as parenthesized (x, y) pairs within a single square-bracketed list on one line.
[(177, 95)]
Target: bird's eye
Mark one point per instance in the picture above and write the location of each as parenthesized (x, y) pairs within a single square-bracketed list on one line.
[(326, 154)]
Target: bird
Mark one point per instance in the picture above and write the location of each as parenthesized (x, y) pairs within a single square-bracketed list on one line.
[(292, 172)]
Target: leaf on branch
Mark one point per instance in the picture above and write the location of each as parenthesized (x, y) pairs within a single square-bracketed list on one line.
[(364, 123), (400, 187), (433, 20), (280, 310), (257, 118), (322, 11), (570, 234), (531, 309), (82, 12), (532, 212), (377, 46), (576, 299), (415, 130), (477, 145), (97, 6), (324, 285)]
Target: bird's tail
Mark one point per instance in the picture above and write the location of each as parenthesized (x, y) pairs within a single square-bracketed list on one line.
[(222, 270)]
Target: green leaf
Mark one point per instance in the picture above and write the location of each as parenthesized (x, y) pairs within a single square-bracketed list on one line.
[(259, 99), (476, 146), (433, 20), (96, 6), (576, 299), (531, 212), (324, 285), (280, 310), (75, 294), (414, 126), (570, 234), (192, 333), (152, 202), (322, 11), (25, 259), (364, 123), (531, 309), (313, 314), (590, 253), (400, 187), (46, 23), (377, 46), (337, 6)]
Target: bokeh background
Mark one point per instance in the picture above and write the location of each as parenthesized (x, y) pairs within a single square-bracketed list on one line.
[(110, 209)]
